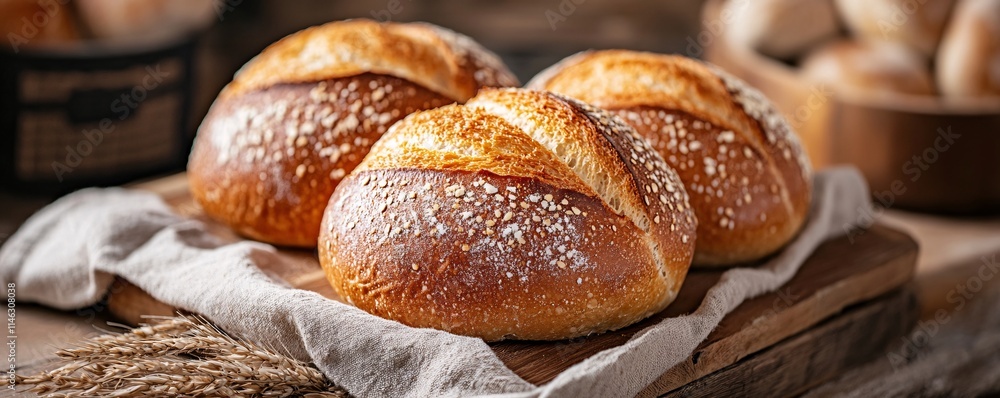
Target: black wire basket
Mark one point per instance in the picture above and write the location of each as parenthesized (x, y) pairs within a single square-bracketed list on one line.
[(78, 117)]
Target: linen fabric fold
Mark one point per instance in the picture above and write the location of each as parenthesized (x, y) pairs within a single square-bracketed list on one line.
[(66, 257)]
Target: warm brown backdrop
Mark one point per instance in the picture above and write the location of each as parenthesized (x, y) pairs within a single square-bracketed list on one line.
[(519, 30)]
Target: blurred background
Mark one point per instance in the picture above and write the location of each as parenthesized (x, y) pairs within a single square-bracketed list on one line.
[(528, 35), (106, 92), (68, 66), (110, 92), (71, 62)]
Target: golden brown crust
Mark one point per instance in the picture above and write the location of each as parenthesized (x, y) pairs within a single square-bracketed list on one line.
[(743, 167), (600, 154), (436, 58), (281, 136), (267, 162), (498, 249), (459, 137), (742, 216)]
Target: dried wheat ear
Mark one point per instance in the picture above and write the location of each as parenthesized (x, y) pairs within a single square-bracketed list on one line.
[(177, 356)]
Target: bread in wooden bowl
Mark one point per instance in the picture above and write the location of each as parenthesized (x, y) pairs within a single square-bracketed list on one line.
[(144, 20), (918, 152), (873, 68), (520, 215), (783, 29), (301, 115), (968, 62), (917, 24), (743, 166)]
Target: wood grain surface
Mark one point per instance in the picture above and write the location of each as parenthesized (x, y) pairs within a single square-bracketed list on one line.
[(955, 356), (862, 333), (839, 274)]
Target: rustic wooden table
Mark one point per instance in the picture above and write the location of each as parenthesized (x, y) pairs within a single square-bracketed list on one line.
[(959, 348), (960, 352), (955, 348)]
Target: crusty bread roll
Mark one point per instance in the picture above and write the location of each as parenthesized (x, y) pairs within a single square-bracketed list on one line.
[(520, 215), (873, 68), (782, 29), (968, 62), (917, 24), (302, 115), (748, 178), (27, 23)]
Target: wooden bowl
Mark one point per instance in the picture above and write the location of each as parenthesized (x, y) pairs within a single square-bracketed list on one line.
[(919, 153)]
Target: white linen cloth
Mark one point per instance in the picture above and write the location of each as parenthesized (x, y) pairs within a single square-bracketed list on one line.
[(67, 254)]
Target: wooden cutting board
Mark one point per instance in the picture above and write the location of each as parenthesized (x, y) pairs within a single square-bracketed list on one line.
[(840, 275)]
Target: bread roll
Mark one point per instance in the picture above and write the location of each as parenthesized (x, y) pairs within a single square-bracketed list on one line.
[(917, 24), (876, 69), (782, 29), (27, 23), (137, 20), (968, 62), (521, 215), (302, 115), (747, 175)]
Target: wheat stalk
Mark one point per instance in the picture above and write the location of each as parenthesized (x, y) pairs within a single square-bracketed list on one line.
[(182, 356)]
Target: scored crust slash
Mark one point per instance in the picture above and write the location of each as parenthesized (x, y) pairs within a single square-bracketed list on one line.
[(522, 214)]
